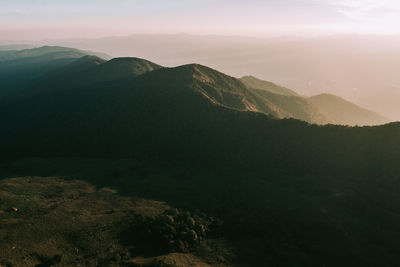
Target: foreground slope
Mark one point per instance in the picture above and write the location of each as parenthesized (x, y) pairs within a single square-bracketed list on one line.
[(69, 223)]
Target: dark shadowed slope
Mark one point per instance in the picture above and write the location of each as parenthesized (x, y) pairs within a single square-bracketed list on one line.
[(19, 69), (91, 69), (344, 112)]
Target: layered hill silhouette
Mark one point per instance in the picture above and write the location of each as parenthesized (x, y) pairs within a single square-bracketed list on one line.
[(344, 112), (21, 68), (360, 68), (46, 52), (320, 109)]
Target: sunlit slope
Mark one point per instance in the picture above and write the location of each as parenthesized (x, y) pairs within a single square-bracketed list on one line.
[(255, 83), (344, 112)]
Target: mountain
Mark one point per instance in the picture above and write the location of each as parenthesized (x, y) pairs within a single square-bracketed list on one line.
[(284, 192), (287, 101), (191, 106), (321, 109), (245, 94), (123, 67), (258, 84), (82, 64), (20, 68), (54, 52), (344, 112), (360, 68), (296, 107)]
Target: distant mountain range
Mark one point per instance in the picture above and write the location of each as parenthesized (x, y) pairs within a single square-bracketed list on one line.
[(21, 68), (344, 112), (14, 47), (46, 52), (360, 68), (321, 109)]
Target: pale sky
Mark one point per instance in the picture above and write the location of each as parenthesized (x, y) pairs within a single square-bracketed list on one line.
[(51, 19)]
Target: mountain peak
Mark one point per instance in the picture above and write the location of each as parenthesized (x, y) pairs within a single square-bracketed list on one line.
[(201, 73), (89, 60), (125, 67)]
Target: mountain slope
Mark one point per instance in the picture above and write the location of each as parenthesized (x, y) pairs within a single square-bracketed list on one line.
[(288, 193), (321, 109), (124, 67), (255, 83), (20, 69), (223, 90), (344, 112), (296, 107)]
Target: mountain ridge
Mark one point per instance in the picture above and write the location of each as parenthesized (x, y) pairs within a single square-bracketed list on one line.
[(245, 94), (259, 84), (342, 111)]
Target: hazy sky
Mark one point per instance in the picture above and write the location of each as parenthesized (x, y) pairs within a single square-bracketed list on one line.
[(43, 19)]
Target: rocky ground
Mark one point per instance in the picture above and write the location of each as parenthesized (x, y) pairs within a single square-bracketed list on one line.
[(58, 222)]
